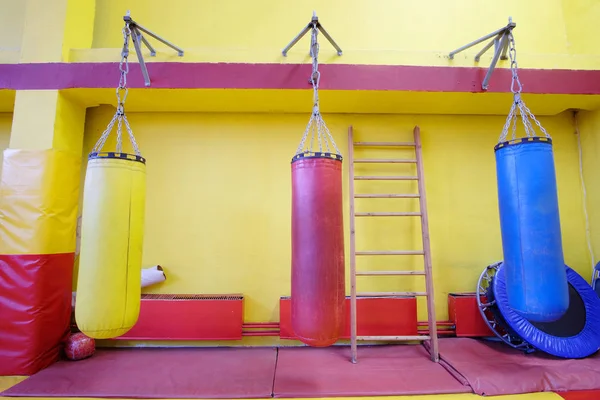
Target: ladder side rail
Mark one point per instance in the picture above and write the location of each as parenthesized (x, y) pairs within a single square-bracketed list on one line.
[(353, 322), (426, 248)]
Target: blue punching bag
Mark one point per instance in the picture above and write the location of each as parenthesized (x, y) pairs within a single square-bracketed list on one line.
[(536, 278)]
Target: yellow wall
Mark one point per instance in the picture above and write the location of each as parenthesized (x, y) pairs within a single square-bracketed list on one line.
[(52, 29), (548, 33), (589, 130), (218, 203), (5, 126), (11, 29), (580, 22)]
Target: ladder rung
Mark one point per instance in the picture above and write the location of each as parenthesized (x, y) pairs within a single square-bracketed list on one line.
[(385, 161), (387, 214), (386, 178), (394, 338), (390, 294), (400, 144), (382, 273), (387, 196), (390, 253)]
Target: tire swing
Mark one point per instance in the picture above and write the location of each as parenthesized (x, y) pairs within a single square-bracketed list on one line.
[(575, 335), (536, 280), (112, 228), (318, 281)]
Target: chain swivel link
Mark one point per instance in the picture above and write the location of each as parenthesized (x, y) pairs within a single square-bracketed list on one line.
[(316, 75), (121, 93), (122, 90), (512, 53), (518, 104), (316, 124)]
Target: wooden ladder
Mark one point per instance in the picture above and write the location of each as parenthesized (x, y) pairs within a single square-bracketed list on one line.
[(426, 252)]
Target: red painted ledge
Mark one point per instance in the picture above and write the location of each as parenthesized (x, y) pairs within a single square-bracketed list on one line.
[(167, 75)]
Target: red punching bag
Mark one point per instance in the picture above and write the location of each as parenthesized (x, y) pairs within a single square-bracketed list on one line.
[(318, 283)]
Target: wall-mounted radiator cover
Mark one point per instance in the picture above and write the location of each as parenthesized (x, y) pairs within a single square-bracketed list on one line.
[(464, 312), (376, 316), (189, 317)]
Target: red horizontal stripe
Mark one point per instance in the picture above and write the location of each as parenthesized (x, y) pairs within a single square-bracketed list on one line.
[(294, 76)]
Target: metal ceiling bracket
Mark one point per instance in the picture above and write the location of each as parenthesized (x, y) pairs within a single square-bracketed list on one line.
[(500, 43), (313, 24), (138, 39)]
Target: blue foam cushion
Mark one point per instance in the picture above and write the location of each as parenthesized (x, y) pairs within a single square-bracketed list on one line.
[(583, 344)]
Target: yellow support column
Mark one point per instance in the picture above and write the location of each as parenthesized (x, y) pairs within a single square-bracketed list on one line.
[(39, 191)]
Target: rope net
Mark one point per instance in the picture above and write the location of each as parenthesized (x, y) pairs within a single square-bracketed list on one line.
[(316, 126), (120, 118), (518, 107)]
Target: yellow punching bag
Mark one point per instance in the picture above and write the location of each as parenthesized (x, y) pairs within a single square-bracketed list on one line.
[(112, 229)]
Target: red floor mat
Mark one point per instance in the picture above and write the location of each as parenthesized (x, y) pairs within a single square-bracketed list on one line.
[(158, 373), (493, 368), (380, 371), (581, 395)]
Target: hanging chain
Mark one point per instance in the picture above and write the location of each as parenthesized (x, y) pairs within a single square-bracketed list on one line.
[(316, 124), (516, 89), (121, 93)]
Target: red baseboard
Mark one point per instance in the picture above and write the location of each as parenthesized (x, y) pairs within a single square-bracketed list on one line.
[(463, 311), (375, 317), (189, 317)]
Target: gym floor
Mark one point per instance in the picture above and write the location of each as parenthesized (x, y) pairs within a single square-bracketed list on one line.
[(467, 368), (8, 381)]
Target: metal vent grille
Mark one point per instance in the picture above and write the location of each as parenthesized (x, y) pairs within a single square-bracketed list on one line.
[(151, 296)]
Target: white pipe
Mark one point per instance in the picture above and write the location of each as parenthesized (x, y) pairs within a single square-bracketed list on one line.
[(152, 275)]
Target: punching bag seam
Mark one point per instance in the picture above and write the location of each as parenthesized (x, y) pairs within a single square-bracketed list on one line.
[(519, 223), (128, 250)]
